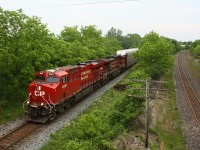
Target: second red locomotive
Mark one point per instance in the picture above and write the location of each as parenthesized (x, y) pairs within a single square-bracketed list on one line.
[(54, 89)]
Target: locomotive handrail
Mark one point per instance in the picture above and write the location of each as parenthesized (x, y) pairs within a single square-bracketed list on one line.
[(26, 100), (51, 102), (103, 75), (43, 108), (47, 103)]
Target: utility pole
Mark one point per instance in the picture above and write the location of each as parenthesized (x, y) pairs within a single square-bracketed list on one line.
[(147, 116), (148, 89)]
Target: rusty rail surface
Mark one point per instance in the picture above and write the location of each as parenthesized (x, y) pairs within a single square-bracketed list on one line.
[(192, 97), (10, 140)]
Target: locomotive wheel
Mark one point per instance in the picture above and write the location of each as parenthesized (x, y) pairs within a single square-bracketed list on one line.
[(95, 86), (52, 115), (73, 100)]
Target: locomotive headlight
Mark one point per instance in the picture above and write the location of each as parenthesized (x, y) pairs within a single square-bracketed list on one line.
[(28, 102), (42, 104)]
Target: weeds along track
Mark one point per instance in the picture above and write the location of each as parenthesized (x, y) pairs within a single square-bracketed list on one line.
[(14, 138), (194, 70), (188, 89)]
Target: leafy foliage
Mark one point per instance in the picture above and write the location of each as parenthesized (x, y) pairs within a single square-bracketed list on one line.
[(27, 46), (155, 55), (195, 49), (176, 47), (102, 123), (127, 41)]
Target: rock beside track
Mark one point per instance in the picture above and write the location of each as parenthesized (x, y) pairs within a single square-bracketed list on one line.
[(11, 125)]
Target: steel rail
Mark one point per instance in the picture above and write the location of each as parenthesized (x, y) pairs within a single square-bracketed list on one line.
[(17, 135), (191, 95), (194, 70)]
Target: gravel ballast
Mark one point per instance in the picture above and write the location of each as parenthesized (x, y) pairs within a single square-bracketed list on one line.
[(43, 136), (190, 128), (11, 125)]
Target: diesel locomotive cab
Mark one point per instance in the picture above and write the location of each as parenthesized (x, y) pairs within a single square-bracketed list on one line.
[(40, 103)]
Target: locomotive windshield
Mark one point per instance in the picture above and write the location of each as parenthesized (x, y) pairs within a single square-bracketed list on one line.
[(52, 79), (39, 78), (49, 79)]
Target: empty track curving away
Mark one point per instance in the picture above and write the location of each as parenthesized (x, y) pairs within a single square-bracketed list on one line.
[(191, 95), (187, 86), (11, 140)]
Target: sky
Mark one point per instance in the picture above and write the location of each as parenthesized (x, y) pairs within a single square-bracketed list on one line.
[(176, 19)]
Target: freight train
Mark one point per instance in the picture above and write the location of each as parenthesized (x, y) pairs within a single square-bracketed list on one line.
[(55, 89)]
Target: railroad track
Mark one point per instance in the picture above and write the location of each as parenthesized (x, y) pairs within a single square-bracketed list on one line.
[(194, 70), (11, 140), (192, 97)]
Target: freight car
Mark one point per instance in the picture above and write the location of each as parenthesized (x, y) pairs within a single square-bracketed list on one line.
[(55, 89)]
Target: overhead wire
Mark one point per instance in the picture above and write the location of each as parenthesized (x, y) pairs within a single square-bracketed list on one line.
[(81, 4)]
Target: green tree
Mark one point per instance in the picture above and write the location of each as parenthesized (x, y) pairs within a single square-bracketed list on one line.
[(70, 34), (194, 48), (196, 51), (128, 41), (25, 48), (71, 49), (131, 41), (92, 40), (114, 33), (155, 55), (176, 45), (10, 34), (111, 45)]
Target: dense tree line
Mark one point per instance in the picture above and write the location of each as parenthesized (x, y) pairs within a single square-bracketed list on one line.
[(195, 49), (27, 46), (155, 54)]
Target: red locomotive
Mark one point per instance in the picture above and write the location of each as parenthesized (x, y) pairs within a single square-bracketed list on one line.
[(54, 89)]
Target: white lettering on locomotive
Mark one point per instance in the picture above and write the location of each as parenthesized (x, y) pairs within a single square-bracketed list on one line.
[(84, 75), (64, 86), (39, 93), (85, 72)]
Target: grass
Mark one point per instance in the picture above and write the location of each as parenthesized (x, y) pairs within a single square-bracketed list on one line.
[(109, 121), (168, 122), (99, 125), (195, 63), (12, 106), (11, 110), (111, 116), (194, 67)]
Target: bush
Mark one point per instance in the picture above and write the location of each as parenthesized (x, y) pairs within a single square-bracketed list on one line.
[(125, 111), (2, 104), (102, 123)]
